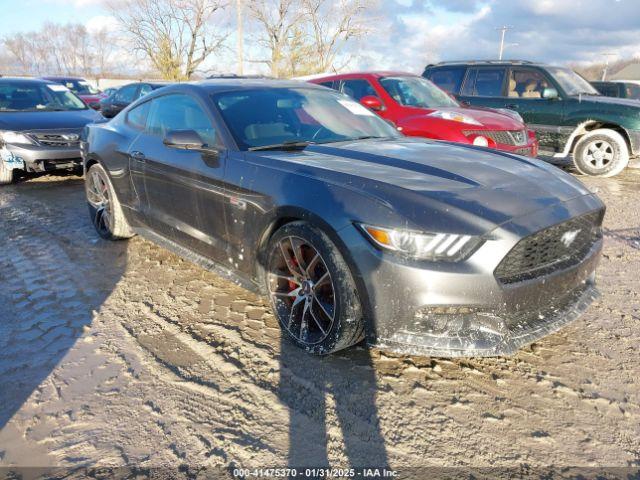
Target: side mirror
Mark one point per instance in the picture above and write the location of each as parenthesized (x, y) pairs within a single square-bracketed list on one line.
[(550, 93), (372, 102), (183, 140)]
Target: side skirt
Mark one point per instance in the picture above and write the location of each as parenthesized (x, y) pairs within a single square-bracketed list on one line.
[(199, 260)]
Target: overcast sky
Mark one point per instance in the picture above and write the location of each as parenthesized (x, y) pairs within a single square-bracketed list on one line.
[(407, 34)]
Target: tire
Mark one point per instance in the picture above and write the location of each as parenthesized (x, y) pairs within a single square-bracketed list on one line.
[(104, 207), (601, 153), (6, 176), (321, 295)]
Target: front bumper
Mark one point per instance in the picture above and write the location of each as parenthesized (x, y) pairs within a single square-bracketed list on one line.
[(461, 309), (38, 158)]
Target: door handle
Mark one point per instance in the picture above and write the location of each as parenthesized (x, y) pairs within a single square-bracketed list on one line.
[(139, 156)]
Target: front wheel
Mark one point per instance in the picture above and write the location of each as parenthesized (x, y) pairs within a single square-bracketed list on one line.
[(601, 153), (104, 207), (312, 290)]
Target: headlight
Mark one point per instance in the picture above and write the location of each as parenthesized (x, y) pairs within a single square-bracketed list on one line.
[(455, 117), (14, 138), (420, 245)]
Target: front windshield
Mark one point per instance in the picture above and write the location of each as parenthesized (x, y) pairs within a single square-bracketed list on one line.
[(571, 82), (273, 116), (416, 92), (35, 97)]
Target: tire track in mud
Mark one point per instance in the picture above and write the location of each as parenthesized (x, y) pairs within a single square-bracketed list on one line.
[(176, 366)]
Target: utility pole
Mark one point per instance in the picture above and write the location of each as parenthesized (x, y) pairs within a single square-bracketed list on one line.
[(239, 32), (606, 64), (502, 30)]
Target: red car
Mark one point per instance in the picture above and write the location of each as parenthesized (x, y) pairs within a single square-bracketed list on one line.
[(83, 89), (418, 108)]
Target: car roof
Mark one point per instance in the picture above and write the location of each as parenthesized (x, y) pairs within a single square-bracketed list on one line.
[(25, 80), (489, 62), (369, 74), (153, 83), (235, 84), (635, 82), (54, 77)]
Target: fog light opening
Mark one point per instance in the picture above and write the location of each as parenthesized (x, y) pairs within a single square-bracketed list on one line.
[(481, 141)]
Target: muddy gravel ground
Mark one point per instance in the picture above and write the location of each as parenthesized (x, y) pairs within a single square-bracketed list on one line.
[(121, 353)]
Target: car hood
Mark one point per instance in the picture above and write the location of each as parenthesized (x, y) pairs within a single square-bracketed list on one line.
[(20, 121), (424, 181), (490, 119)]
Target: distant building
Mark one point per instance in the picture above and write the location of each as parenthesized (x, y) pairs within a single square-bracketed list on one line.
[(630, 72)]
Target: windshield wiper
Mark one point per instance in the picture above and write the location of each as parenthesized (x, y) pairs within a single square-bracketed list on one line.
[(363, 137), (367, 137), (282, 146)]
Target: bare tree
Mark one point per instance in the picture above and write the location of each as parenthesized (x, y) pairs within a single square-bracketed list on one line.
[(62, 49), (333, 23), (19, 45), (277, 20), (104, 51), (175, 35), (306, 36)]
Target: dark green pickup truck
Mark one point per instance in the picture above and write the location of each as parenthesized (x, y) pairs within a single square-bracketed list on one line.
[(568, 115)]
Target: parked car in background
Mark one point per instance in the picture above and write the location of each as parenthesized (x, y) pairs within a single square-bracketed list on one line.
[(82, 88), (619, 88), (352, 230), (109, 91), (569, 116), (125, 95), (418, 108), (40, 125)]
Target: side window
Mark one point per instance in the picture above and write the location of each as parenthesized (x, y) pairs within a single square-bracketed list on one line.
[(608, 90), (330, 84), (137, 117), (145, 88), (632, 91), (449, 78), (180, 112), (357, 88), (526, 83), (470, 83), (488, 82), (126, 94)]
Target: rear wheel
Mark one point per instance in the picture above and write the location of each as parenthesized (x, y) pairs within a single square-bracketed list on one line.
[(6, 174), (602, 153), (312, 290), (104, 207)]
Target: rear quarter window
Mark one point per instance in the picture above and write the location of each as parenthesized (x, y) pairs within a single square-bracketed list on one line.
[(449, 79), (137, 117), (330, 84)]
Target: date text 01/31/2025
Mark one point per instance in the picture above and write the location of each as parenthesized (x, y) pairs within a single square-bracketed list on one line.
[(373, 472)]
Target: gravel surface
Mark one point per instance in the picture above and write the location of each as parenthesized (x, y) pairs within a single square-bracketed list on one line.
[(124, 354)]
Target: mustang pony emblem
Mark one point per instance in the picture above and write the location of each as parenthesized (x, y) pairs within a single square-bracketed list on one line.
[(569, 237)]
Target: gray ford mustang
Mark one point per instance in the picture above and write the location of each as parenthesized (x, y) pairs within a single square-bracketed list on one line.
[(353, 231)]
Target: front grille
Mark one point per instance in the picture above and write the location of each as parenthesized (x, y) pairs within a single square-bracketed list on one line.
[(60, 140), (502, 137), (555, 248)]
